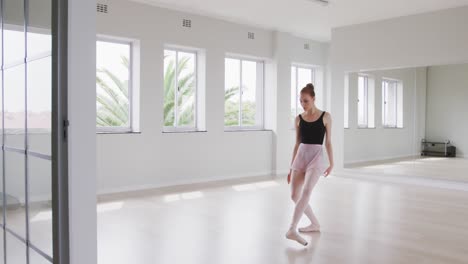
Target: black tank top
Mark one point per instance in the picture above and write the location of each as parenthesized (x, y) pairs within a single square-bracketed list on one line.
[(312, 132)]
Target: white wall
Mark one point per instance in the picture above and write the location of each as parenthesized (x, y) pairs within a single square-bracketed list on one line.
[(447, 97), (151, 159), (420, 40), (379, 143)]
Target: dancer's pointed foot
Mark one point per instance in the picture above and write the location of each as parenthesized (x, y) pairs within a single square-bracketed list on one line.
[(293, 235)]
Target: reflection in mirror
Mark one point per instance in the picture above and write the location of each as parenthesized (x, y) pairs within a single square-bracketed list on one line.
[(15, 193), (40, 204), (26, 131), (407, 122), (15, 250)]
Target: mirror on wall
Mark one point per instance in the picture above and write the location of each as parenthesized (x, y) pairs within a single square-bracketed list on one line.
[(408, 122), (26, 119)]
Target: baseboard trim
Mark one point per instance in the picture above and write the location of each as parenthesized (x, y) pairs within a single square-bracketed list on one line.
[(184, 183), (408, 180), (281, 173), (381, 159)]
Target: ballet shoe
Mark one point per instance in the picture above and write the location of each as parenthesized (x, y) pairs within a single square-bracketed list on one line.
[(293, 235)]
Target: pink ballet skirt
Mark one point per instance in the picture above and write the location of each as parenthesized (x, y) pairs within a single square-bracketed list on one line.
[(309, 157)]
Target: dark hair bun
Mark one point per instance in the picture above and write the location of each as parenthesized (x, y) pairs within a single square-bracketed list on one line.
[(308, 89), (310, 86)]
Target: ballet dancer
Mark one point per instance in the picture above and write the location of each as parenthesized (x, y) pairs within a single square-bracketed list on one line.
[(307, 161)]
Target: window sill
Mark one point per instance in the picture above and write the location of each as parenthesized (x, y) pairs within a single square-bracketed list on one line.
[(184, 131), (366, 128), (117, 133), (393, 128), (248, 130)]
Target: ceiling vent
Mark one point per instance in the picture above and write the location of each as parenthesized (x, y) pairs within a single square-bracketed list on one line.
[(187, 23), (101, 8), (251, 35)]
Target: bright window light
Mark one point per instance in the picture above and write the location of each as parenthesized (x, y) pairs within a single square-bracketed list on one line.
[(243, 94), (172, 198), (300, 77), (106, 207), (244, 187), (366, 99), (192, 195), (392, 103), (180, 90), (266, 184), (113, 86), (42, 216), (254, 186), (185, 196)]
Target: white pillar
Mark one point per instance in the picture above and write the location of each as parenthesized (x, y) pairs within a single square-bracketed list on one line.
[(82, 130)]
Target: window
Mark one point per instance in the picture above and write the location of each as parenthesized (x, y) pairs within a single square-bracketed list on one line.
[(346, 102), (300, 77), (113, 86), (180, 90), (243, 94), (392, 102), (366, 95)]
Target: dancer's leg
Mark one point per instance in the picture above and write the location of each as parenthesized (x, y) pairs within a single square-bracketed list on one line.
[(297, 182), (311, 178)]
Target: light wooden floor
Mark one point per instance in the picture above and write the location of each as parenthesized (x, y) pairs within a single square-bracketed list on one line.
[(243, 222), (436, 168)]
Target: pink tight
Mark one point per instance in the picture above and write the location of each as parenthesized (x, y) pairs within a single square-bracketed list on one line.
[(302, 185)]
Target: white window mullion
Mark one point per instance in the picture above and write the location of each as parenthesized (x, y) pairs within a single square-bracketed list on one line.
[(391, 116), (384, 84), (176, 92), (389, 102), (312, 76), (240, 95), (314, 83), (259, 95), (386, 103), (400, 105), (395, 89), (297, 90), (130, 88), (366, 100), (195, 96), (387, 95)]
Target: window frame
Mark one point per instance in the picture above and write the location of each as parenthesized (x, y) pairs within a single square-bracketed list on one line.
[(261, 125), (397, 84), (314, 70), (176, 128), (346, 103), (131, 127), (366, 103)]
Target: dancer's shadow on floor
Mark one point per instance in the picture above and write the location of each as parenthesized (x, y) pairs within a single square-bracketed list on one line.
[(299, 254)]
